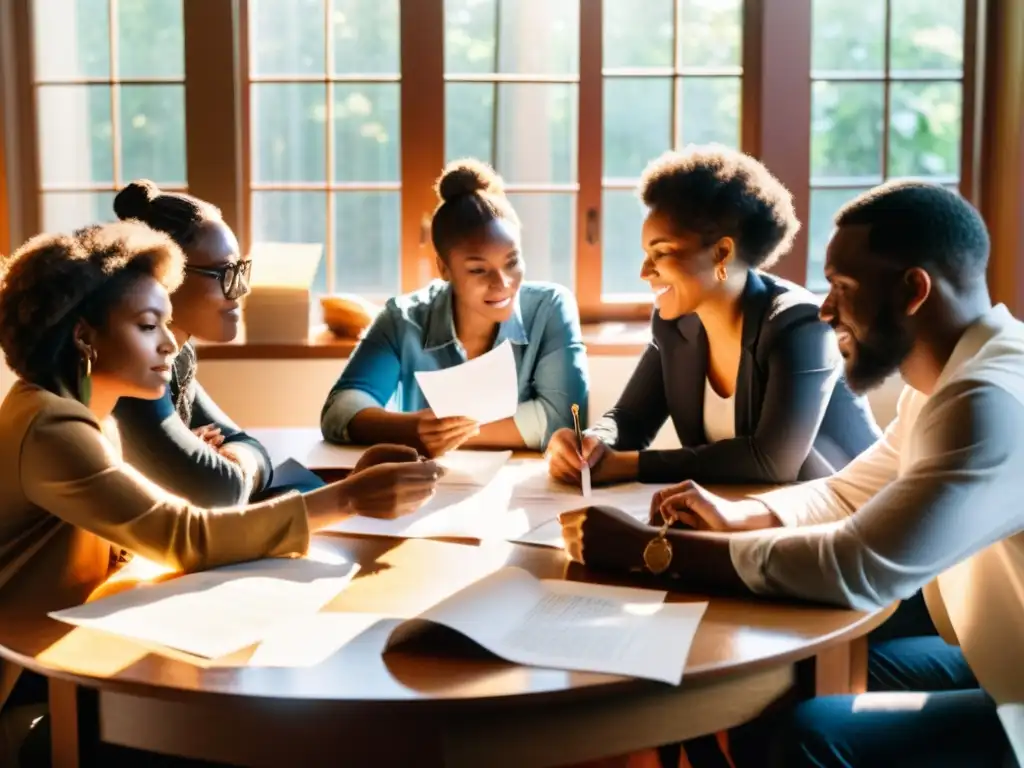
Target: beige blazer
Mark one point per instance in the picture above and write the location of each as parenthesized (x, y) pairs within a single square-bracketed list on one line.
[(67, 498)]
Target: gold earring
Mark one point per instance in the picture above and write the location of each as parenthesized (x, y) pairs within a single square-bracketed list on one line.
[(721, 273), (85, 376)]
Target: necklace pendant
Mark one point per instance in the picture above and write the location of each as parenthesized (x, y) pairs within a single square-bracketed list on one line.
[(658, 555)]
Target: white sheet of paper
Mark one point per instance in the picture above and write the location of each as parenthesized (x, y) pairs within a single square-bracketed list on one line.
[(311, 640), (214, 613), (484, 389), (569, 625), (585, 482)]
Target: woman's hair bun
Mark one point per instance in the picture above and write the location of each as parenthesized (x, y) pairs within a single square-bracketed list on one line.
[(136, 200), (468, 177)]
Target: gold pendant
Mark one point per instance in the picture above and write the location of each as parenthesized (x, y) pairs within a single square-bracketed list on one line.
[(657, 555)]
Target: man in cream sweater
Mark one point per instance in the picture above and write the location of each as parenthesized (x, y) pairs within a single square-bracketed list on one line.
[(937, 504)]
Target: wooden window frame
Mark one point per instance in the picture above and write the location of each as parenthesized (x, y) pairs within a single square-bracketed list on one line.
[(775, 123)]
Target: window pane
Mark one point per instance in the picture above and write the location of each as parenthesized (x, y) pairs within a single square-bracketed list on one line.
[(536, 129), (365, 34), (75, 134), (622, 253), (153, 133), (67, 211), (825, 203), (536, 36), (292, 217), (638, 34), (924, 129), (469, 120), (927, 35), (637, 123), (846, 130), (366, 243), (288, 137), (366, 132), (72, 39), (286, 37), (710, 33), (549, 235), (848, 36), (711, 110), (150, 38)]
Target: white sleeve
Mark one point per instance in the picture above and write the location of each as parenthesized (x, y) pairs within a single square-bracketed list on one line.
[(960, 494), (834, 498)]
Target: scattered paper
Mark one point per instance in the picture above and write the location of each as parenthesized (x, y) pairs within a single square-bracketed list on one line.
[(214, 613), (585, 482), (311, 640), (474, 468), (484, 389), (568, 625)]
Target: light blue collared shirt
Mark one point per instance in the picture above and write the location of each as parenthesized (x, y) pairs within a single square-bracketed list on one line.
[(416, 332)]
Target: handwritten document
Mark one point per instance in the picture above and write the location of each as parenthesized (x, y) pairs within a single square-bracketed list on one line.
[(214, 613), (568, 625), (484, 389)]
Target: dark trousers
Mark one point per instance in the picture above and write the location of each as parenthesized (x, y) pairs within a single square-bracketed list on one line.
[(924, 708)]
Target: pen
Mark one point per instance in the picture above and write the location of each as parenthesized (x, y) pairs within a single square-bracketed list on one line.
[(585, 471)]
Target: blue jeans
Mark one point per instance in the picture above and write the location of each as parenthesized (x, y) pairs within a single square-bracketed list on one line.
[(954, 722)]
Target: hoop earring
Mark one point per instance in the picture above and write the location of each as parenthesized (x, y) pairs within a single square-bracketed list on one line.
[(721, 273), (85, 377)]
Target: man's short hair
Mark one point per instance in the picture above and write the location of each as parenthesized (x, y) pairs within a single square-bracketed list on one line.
[(920, 224)]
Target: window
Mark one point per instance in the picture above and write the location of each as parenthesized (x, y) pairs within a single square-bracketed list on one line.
[(671, 77), (887, 101), (338, 115), (511, 98), (324, 135), (109, 92)]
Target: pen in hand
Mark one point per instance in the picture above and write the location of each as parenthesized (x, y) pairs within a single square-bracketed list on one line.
[(585, 469)]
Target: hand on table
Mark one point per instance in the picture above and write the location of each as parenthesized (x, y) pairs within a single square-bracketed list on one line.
[(690, 505), (605, 537), (389, 491), (438, 436)]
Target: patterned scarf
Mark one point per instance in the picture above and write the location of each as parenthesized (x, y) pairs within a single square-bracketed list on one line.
[(181, 383)]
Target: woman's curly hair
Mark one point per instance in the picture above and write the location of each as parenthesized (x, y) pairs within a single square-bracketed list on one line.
[(53, 281), (719, 192)]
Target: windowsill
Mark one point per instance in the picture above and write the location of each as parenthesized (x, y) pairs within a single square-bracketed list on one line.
[(609, 339)]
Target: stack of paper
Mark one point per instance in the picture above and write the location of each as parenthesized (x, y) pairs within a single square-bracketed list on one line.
[(542, 623), (568, 625), (217, 612)]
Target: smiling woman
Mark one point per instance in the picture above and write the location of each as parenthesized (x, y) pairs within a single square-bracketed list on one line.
[(739, 359), (480, 303)]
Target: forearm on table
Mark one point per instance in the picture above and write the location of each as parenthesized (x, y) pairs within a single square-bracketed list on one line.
[(703, 560), (377, 425), (498, 434)]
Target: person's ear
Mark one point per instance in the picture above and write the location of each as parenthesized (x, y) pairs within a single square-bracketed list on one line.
[(442, 269), (725, 251), (84, 336), (919, 287)]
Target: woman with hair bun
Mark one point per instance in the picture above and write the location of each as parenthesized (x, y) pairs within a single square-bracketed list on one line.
[(183, 440), (480, 302)]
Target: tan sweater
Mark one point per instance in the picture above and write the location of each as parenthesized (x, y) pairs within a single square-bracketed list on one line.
[(66, 496)]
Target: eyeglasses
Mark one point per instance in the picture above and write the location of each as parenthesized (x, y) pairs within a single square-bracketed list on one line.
[(234, 277)]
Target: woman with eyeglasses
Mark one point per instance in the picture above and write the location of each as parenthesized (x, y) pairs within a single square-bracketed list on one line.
[(183, 440)]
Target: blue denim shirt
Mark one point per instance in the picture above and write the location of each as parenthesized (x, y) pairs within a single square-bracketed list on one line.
[(416, 332)]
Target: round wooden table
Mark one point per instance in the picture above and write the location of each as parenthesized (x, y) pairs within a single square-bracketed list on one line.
[(446, 705)]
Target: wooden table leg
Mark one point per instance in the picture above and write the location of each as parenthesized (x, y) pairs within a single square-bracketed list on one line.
[(841, 669), (74, 725)]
